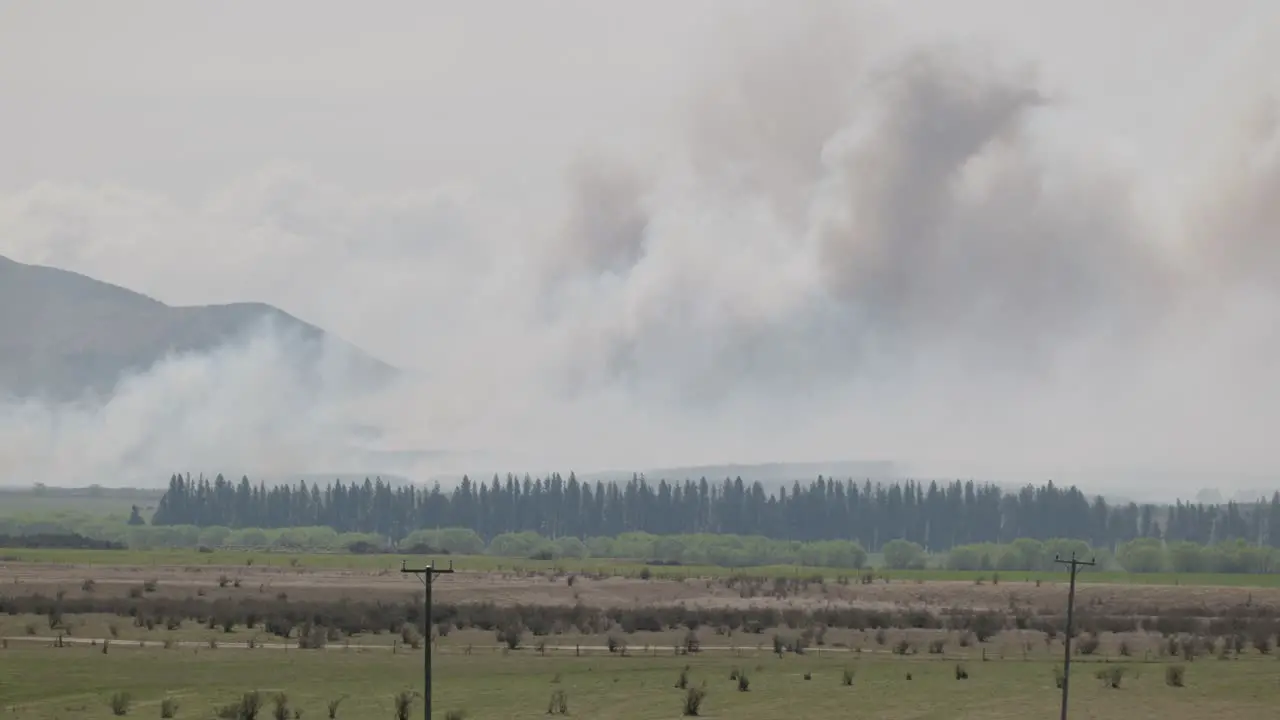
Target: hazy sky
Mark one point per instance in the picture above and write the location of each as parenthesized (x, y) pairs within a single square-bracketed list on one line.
[(994, 234)]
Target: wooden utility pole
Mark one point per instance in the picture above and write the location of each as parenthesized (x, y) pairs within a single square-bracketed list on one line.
[(1075, 566), (427, 575)]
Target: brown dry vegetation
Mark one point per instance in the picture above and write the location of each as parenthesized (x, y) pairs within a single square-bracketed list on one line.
[(234, 604), (482, 617), (559, 588)]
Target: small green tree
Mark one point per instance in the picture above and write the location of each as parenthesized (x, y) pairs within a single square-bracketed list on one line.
[(903, 555)]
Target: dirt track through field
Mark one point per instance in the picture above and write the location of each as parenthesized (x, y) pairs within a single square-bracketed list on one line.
[(359, 647)]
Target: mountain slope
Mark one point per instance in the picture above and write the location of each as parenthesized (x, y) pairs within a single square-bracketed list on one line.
[(63, 334)]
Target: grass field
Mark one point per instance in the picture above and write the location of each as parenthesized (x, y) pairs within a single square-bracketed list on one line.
[(205, 665), (83, 501), (619, 568), (43, 683)]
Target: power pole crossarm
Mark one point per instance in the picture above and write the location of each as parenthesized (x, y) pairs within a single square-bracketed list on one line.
[(1075, 566), (427, 575)]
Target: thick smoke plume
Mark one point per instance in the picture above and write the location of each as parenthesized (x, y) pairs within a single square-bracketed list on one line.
[(849, 254)]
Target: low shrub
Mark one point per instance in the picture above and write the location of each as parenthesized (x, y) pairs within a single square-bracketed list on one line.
[(120, 703), (246, 708), (693, 699), (280, 707), (404, 703), (559, 704), (1112, 675)]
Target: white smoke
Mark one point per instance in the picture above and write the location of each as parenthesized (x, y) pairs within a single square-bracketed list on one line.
[(853, 254)]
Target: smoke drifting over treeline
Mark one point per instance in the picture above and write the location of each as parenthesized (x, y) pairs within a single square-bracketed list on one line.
[(852, 251)]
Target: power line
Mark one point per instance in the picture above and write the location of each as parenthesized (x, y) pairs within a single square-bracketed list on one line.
[(1075, 566), (427, 576)]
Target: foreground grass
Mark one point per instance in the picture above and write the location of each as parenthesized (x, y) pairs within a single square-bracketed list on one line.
[(42, 683), (607, 567)]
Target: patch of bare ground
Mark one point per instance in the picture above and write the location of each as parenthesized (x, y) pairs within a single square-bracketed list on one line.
[(551, 588)]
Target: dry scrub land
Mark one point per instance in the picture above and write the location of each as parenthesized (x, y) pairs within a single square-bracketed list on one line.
[(506, 640), (556, 587)]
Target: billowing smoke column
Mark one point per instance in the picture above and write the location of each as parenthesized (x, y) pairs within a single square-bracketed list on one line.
[(851, 255)]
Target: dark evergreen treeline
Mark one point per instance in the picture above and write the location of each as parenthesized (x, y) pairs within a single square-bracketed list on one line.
[(937, 516)]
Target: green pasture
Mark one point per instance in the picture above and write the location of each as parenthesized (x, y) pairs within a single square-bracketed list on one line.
[(99, 502), (40, 682), (613, 568)]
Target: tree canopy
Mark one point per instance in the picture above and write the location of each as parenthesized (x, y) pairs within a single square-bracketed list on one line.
[(934, 516)]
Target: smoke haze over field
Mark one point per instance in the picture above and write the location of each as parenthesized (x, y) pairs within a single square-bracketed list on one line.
[(981, 240)]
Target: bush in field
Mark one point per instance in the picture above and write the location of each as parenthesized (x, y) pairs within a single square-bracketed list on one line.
[(693, 698), (511, 635), (120, 703), (985, 625), (1088, 644), (404, 703), (1112, 675), (847, 678), (333, 706), (1190, 647), (1262, 641), (1175, 675), (409, 636), (280, 707), (559, 704), (168, 707), (312, 637), (246, 708)]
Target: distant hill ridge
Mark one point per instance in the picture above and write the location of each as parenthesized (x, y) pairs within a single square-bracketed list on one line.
[(63, 334)]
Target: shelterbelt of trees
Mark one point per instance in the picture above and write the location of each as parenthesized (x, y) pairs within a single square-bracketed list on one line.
[(936, 516), (1143, 555)]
